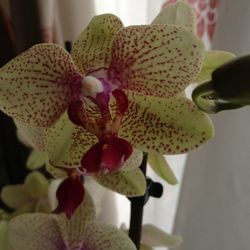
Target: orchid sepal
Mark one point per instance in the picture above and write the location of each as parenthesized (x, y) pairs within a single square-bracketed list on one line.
[(34, 86), (165, 126), (179, 13), (130, 183), (161, 167)]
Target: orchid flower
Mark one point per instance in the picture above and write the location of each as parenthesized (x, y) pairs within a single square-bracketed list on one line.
[(130, 183), (117, 91), (32, 196), (182, 14), (36, 159), (55, 232)]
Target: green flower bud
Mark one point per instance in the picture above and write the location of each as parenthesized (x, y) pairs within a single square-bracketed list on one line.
[(228, 89)]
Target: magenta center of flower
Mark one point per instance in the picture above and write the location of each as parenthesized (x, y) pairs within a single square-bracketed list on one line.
[(110, 153)]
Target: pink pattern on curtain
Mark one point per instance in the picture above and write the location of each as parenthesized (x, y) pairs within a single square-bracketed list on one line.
[(206, 11)]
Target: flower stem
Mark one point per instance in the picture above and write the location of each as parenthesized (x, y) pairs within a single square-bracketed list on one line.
[(136, 215)]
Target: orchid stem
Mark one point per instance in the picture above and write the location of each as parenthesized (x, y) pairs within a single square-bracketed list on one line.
[(68, 46), (136, 215)]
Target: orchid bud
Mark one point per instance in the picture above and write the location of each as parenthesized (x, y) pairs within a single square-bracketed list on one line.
[(228, 89), (231, 81)]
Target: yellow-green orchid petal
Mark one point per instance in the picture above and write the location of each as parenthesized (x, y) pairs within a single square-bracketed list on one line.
[(35, 231), (37, 185), (130, 183), (4, 215), (43, 206), (73, 230), (155, 237), (213, 59), (31, 196), (28, 207), (15, 196), (134, 161), (161, 167), (30, 136), (67, 143), (34, 86), (36, 159), (106, 237), (165, 126), (92, 49), (179, 13), (56, 172), (158, 60), (56, 232), (3, 234), (145, 247)]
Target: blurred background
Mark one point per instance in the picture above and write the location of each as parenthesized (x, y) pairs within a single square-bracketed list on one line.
[(210, 206)]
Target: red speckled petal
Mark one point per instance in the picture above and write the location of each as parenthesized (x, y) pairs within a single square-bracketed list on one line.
[(86, 114), (157, 60), (134, 161), (130, 183), (99, 236), (73, 230), (56, 172), (165, 126), (31, 136), (92, 49), (35, 87), (67, 143), (51, 232), (35, 231)]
